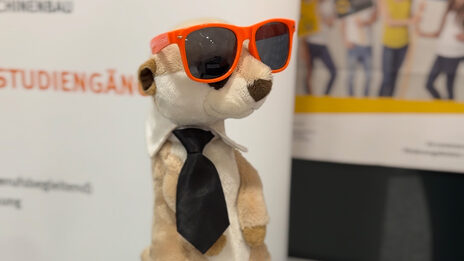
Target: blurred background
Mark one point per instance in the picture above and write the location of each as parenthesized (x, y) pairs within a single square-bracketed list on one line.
[(347, 175)]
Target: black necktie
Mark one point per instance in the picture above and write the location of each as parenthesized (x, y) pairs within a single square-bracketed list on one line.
[(201, 210)]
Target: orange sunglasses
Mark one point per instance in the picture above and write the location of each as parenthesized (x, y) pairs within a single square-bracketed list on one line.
[(210, 52)]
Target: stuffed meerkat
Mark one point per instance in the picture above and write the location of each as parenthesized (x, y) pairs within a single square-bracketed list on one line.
[(180, 102)]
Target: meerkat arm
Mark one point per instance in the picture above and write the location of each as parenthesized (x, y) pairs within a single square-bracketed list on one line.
[(252, 210), (166, 242)]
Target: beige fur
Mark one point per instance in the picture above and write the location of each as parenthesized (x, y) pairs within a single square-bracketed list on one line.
[(168, 60), (168, 245), (248, 68), (217, 247), (260, 253), (184, 102), (251, 206), (254, 236), (252, 210)]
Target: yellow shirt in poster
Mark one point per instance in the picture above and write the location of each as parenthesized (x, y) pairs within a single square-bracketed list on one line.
[(397, 36), (309, 22)]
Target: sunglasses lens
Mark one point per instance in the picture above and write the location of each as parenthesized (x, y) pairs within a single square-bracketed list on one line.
[(272, 42), (210, 52)]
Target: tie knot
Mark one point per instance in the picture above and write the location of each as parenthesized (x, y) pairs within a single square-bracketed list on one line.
[(193, 139)]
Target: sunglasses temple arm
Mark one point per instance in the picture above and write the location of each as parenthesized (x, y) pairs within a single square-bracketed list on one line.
[(161, 41)]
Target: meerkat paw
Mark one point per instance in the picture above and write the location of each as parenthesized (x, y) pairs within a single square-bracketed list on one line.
[(254, 236), (260, 253)]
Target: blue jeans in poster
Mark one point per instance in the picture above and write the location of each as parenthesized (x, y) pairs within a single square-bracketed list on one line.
[(363, 55), (317, 51), (392, 59), (445, 65)]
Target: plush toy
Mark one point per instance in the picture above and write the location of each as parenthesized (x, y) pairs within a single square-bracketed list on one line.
[(209, 202)]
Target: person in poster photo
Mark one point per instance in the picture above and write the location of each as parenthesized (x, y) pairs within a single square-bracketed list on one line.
[(317, 43), (397, 18), (450, 48), (357, 35)]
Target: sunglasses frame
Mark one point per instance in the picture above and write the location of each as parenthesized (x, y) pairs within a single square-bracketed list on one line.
[(241, 33)]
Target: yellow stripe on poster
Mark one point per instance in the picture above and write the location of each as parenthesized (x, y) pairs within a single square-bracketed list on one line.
[(311, 104)]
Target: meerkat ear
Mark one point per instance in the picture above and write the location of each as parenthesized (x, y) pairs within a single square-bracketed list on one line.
[(146, 75)]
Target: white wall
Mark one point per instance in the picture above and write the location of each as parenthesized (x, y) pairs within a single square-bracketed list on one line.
[(85, 137)]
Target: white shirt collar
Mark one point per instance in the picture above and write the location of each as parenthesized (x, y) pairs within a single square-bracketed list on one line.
[(158, 129)]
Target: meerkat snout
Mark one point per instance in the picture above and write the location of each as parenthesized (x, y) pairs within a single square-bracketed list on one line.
[(258, 89)]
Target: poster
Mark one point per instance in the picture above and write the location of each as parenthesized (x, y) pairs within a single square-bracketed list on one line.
[(381, 83), (73, 165)]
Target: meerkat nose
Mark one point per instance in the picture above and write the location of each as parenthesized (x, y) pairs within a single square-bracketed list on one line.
[(259, 89)]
